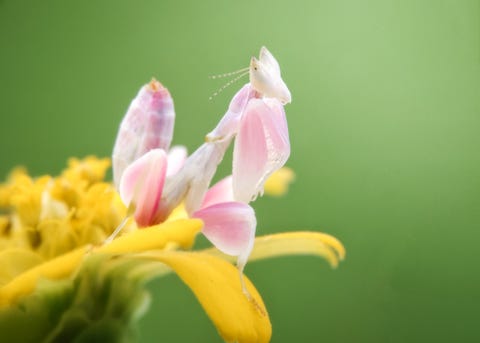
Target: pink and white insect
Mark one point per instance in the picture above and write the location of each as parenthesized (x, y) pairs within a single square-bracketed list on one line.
[(154, 180)]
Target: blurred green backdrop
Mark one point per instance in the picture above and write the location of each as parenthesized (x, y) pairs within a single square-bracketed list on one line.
[(384, 127)]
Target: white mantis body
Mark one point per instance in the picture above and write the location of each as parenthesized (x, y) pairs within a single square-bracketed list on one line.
[(255, 119)]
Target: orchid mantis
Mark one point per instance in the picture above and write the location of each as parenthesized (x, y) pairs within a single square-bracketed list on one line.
[(153, 181)]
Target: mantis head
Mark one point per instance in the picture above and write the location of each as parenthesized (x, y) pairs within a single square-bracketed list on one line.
[(266, 79)]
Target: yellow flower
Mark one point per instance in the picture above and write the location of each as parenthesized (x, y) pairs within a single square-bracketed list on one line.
[(277, 184), (54, 261)]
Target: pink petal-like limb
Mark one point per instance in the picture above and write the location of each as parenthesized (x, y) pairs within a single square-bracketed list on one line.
[(216, 285), (230, 226), (148, 124), (220, 192), (262, 146), (142, 184)]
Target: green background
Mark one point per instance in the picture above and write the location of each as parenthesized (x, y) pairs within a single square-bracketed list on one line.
[(384, 128)]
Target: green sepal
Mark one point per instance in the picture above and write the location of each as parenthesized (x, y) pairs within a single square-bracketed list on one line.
[(102, 302)]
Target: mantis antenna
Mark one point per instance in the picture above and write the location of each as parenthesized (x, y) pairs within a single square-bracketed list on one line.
[(228, 74), (230, 82)]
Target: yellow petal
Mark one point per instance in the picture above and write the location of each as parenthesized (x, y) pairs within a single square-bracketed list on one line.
[(25, 283), (277, 184), (216, 284), (299, 243), (181, 232), (15, 261), (294, 243), (178, 213)]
